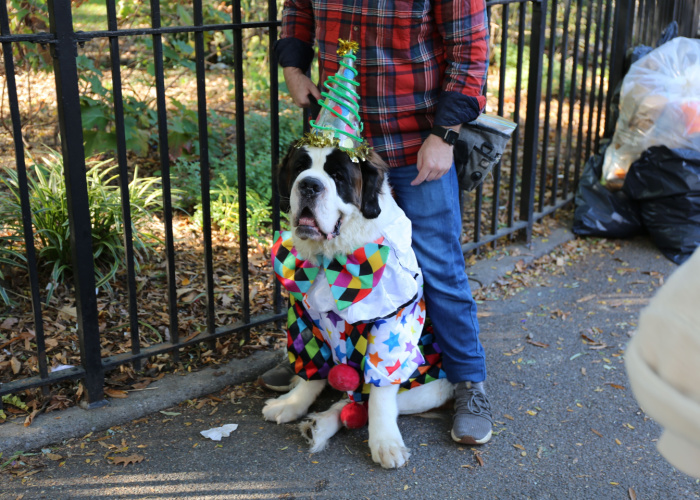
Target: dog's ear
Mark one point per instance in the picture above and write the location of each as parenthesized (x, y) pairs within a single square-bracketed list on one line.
[(373, 171), (284, 178)]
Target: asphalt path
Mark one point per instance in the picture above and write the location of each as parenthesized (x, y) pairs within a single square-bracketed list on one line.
[(567, 425)]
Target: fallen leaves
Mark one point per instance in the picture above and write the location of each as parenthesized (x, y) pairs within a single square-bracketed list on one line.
[(18, 345), (128, 460), (537, 344), (15, 364), (116, 393)]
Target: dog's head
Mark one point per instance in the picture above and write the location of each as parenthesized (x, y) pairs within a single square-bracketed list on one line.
[(325, 191)]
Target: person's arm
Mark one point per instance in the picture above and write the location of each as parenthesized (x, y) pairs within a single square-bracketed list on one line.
[(295, 50), (463, 26)]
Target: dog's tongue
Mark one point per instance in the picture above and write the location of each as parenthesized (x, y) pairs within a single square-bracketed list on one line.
[(307, 221)]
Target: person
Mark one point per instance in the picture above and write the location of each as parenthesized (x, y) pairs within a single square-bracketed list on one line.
[(662, 362), (422, 73)]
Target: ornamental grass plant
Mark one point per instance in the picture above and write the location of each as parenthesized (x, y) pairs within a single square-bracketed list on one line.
[(49, 207)]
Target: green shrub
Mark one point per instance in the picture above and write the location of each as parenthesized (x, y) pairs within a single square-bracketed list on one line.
[(224, 211), (185, 175), (47, 195)]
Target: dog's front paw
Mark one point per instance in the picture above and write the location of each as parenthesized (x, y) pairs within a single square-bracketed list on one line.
[(283, 410), (389, 453)]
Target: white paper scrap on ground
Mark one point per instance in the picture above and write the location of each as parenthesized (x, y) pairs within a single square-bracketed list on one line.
[(216, 433)]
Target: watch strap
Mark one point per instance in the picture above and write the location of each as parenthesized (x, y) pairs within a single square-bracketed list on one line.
[(446, 134)]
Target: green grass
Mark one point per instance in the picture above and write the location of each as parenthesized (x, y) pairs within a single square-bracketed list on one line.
[(90, 16)]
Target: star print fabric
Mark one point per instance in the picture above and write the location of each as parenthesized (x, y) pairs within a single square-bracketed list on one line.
[(385, 351), (410, 360)]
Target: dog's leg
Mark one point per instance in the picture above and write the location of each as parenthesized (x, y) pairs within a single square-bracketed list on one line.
[(385, 439), (322, 426), (425, 397), (295, 403)]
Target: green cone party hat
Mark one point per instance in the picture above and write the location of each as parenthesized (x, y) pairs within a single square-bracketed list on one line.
[(339, 124)]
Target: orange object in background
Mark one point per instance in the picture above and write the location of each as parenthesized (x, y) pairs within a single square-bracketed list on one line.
[(691, 112)]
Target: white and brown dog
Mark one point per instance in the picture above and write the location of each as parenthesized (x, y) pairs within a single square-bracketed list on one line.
[(336, 206)]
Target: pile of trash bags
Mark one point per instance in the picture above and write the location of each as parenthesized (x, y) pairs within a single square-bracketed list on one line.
[(648, 177)]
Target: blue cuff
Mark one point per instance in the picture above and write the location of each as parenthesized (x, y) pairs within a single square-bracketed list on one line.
[(454, 108), (293, 52)]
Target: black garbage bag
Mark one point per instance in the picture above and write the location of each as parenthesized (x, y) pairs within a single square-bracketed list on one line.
[(665, 183), (601, 212)]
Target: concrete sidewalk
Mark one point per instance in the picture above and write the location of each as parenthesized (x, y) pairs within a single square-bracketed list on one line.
[(567, 425), (173, 389)]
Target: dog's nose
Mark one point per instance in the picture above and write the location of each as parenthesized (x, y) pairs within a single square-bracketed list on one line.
[(310, 187)]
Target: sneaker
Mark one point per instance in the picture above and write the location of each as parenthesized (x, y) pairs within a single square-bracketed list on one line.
[(281, 378), (472, 421)]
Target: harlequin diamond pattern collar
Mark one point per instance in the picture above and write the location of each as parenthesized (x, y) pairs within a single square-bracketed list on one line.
[(351, 277)]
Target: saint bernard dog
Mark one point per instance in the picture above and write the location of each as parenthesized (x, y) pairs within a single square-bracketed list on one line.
[(337, 206)]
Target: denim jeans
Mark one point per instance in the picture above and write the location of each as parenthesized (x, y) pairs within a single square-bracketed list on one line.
[(433, 207)]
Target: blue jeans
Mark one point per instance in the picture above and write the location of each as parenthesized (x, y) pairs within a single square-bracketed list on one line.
[(433, 207)]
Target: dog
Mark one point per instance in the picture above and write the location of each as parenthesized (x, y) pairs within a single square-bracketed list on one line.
[(338, 204)]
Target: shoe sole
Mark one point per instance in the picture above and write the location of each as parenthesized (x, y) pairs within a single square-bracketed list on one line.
[(279, 388), (470, 439)]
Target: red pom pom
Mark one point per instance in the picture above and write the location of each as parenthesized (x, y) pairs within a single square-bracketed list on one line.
[(353, 415), (344, 378)]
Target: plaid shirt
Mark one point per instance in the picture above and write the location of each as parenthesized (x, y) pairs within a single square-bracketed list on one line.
[(421, 62)]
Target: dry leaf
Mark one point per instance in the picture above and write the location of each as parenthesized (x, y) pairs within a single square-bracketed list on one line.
[(8, 323), (131, 459), (116, 393), (537, 344), (505, 415), (616, 386), (632, 493), (54, 456), (15, 364), (596, 433), (479, 459), (519, 446)]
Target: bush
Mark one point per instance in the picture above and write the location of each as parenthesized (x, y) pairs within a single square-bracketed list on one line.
[(47, 196)]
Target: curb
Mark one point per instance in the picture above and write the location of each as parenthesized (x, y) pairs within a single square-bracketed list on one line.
[(175, 388), (171, 390)]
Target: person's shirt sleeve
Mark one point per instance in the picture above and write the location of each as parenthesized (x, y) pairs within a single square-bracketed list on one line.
[(463, 25), (295, 46)]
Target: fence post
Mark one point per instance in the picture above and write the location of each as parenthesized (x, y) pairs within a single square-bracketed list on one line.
[(64, 53), (621, 34), (532, 120)]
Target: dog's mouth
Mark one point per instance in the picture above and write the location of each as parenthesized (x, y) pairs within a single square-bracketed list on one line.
[(307, 227)]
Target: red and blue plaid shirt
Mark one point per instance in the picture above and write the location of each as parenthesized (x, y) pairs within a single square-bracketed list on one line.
[(421, 62)]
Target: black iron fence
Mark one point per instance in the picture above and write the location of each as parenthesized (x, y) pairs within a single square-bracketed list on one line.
[(554, 64)]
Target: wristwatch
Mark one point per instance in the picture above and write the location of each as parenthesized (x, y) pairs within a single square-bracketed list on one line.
[(446, 134)]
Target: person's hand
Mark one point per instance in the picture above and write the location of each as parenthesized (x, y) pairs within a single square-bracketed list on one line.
[(435, 159), (300, 86)]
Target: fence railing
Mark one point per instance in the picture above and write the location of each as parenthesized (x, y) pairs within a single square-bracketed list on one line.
[(554, 64)]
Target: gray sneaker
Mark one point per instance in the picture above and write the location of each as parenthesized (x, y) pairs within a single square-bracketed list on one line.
[(472, 421), (281, 378)]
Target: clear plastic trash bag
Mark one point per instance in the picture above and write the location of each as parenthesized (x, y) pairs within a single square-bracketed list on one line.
[(659, 105)]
